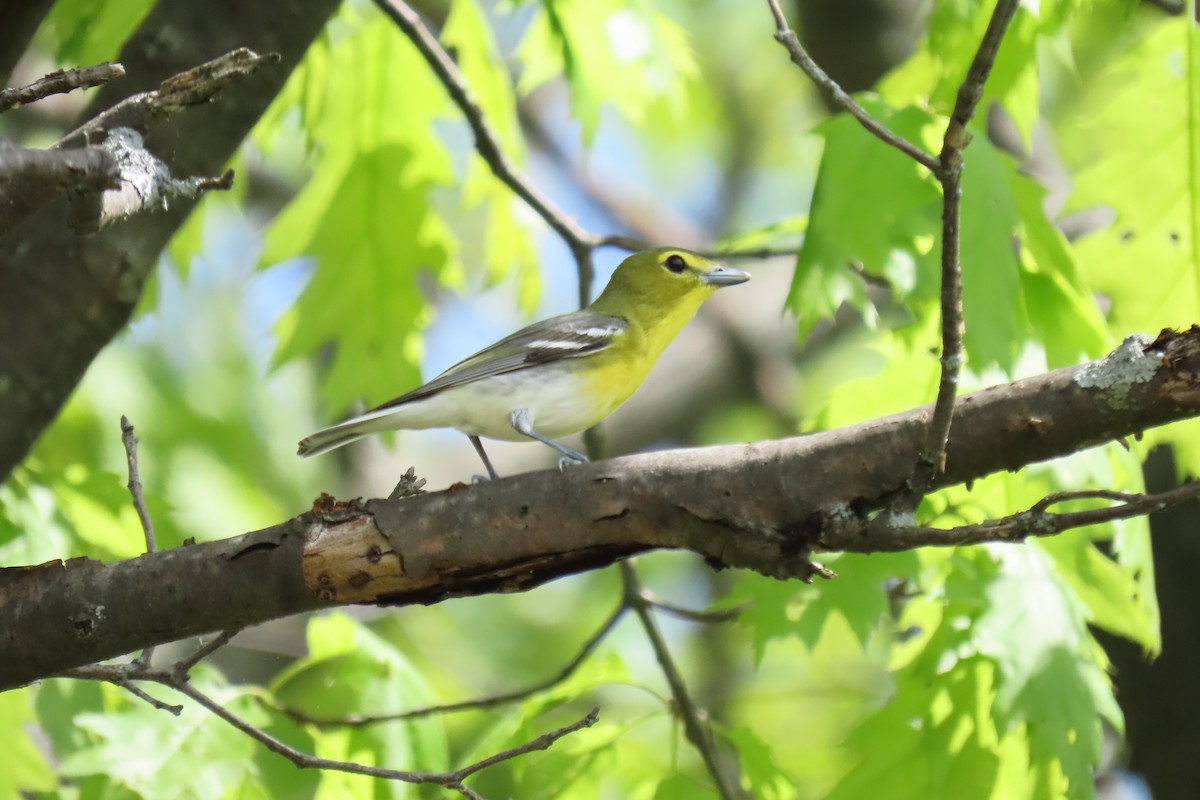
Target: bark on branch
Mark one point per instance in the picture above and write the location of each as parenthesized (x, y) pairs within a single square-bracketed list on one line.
[(760, 506), (64, 296)]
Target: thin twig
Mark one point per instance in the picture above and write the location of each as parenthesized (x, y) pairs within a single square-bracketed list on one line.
[(720, 615), (949, 173), (135, 482), (695, 723), (449, 779), (540, 743), (184, 665), (490, 701), (176, 678), (1036, 521), (487, 144), (142, 694), (139, 503), (787, 37), (60, 82)]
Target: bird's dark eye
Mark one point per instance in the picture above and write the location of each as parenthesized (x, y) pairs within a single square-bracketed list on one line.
[(675, 263)]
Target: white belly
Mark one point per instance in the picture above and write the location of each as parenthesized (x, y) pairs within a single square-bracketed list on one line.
[(555, 404)]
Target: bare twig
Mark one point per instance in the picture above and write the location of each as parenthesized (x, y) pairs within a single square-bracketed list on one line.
[(104, 161), (490, 701), (787, 37), (60, 82), (949, 173), (487, 144), (695, 722), (176, 678), (197, 86), (691, 615), (184, 665), (1036, 521), (139, 503), (141, 694), (448, 779), (135, 482)]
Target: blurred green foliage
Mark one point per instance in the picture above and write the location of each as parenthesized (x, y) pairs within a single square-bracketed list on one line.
[(965, 673)]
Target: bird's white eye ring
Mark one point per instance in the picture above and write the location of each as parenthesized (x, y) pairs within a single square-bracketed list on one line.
[(675, 263)]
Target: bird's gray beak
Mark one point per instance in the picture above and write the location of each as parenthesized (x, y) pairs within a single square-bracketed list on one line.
[(725, 276)]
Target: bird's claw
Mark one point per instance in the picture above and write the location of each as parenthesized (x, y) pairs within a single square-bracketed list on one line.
[(566, 461)]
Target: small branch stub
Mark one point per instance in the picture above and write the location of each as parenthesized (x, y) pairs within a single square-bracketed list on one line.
[(59, 82)]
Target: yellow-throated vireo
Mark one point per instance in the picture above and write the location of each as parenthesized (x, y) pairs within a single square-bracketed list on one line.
[(561, 375)]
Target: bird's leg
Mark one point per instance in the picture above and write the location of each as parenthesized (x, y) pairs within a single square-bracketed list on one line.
[(483, 455), (519, 419)]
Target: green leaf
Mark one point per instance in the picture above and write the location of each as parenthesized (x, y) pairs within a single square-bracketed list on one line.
[(761, 772), (58, 702), (995, 316), (91, 31), (351, 671), (890, 226), (573, 764), (1147, 175), (26, 771), (1050, 676), (367, 100), (501, 243), (1062, 310), (620, 52), (363, 294), (876, 372), (773, 234), (675, 787), (154, 754), (860, 593), (469, 35), (944, 56), (931, 740)]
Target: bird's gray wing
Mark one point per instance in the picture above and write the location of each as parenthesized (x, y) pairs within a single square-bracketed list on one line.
[(555, 339)]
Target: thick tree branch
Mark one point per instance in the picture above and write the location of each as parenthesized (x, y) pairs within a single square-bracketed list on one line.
[(105, 162), (26, 171), (97, 280), (761, 506)]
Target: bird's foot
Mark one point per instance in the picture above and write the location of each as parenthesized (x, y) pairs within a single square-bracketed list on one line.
[(570, 461)]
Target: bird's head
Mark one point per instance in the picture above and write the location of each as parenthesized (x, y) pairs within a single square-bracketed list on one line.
[(666, 279)]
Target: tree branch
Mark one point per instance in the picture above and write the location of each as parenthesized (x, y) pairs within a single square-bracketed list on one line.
[(59, 82), (787, 37), (695, 721), (98, 280), (761, 506), (48, 173), (490, 701), (949, 173), (105, 161), (487, 144), (176, 678)]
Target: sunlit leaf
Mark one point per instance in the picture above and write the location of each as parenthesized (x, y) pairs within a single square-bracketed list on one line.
[(618, 52)]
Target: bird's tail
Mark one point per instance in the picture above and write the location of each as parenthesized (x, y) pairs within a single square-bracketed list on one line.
[(346, 432)]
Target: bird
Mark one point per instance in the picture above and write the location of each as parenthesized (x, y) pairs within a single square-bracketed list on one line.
[(558, 376)]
